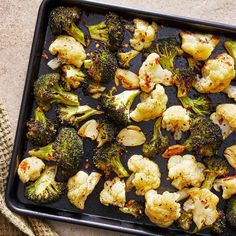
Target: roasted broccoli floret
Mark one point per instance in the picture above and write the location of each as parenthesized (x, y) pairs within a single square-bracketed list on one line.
[(63, 19), (231, 49), (200, 106), (157, 142), (103, 67), (72, 77), (168, 49), (41, 130), (117, 107), (183, 80), (111, 31), (73, 115), (107, 158), (47, 90), (216, 167), (106, 132), (45, 189), (66, 151), (219, 226), (92, 88), (133, 208), (124, 58), (185, 220), (231, 212), (205, 137)]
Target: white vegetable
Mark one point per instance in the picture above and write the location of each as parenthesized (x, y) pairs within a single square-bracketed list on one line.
[(185, 171), (80, 186), (176, 119), (203, 204), (131, 136), (129, 80), (230, 155), (146, 174), (151, 73), (217, 74), (199, 46), (144, 34), (89, 130), (68, 51), (113, 193), (228, 185), (30, 169), (231, 92), (152, 105)]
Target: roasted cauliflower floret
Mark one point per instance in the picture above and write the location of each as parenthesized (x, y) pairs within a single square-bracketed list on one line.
[(225, 117), (230, 155), (228, 185), (176, 119), (146, 174), (151, 73), (185, 171), (113, 193), (231, 92), (217, 74), (203, 205), (162, 209), (144, 34), (80, 186), (199, 46), (30, 169), (152, 105), (129, 79), (68, 51)]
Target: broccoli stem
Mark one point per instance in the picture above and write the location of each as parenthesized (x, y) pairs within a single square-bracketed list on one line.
[(54, 63), (129, 97), (40, 116), (44, 153), (88, 63), (209, 180), (167, 62), (99, 31), (118, 167), (77, 33)]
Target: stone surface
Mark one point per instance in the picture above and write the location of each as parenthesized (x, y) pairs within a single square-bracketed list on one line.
[(17, 22)]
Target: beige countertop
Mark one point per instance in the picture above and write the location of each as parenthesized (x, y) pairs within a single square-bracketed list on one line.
[(17, 22)]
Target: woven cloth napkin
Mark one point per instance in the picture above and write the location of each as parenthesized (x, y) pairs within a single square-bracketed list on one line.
[(12, 224)]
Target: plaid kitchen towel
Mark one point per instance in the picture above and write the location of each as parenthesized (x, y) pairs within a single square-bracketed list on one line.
[(12, 224)]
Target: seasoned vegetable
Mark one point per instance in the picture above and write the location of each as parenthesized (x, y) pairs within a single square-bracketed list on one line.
[(64, 19), (230, 155), (108, 158), (48, 91), (129, 80), (231, 49), (231, 92), (45, 189), (231, 212), (132, 208), (41, 130), (89, 130), (117, 107), (124, 58), (228, 185)]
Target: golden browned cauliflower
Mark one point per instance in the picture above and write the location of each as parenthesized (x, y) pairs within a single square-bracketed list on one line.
[(230, 155), (228, 185), (225, 117), (68, 50), (146, 174), (144, 34), (231, 92), (185, 171), (152, 105), (151, 73), (30, 169), (162, 209), (113, 193), (217, 74), (199, 46), (80, 186), (176, 119), (203, 205)]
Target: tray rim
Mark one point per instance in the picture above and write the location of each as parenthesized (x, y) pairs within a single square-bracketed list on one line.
[(88, 220)]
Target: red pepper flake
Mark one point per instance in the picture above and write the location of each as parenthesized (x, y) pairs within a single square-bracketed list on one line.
[(87, 166), (24, 165), (157, 61), (45, 55), (49, 155)]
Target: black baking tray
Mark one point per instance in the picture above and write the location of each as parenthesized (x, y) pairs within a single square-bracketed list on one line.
[(95, 214)]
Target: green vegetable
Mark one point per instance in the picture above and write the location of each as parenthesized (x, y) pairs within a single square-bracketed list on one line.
[(231, 212), (124, 58), (106, 132), (132, 208), (231, 49)]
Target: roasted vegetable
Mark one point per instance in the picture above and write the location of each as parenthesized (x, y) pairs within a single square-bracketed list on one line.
[(64, 19), (111, 31), (117, 107), (129, 79), (231, 49), (48, 91), (230, 155), (73, 115), (41, 130), (108, 158), (132, 208), (45, 189), (67, 151), (231, 212), (124, 58), (228, 185)]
